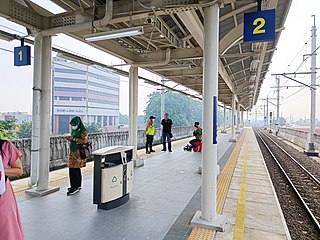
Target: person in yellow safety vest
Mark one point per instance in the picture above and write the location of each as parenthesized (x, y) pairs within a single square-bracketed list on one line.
[(149, 134)]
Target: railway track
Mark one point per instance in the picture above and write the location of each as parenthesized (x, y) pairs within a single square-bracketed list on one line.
[(305, 185)]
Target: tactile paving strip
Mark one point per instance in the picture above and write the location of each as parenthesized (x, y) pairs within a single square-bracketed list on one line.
[(224, 181)]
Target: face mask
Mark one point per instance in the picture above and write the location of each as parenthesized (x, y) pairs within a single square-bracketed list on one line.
[(74, 127)]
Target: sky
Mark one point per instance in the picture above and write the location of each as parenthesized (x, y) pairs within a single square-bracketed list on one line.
[(16, 82)]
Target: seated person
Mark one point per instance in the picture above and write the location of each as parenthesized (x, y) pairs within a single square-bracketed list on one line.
[(198, 135)]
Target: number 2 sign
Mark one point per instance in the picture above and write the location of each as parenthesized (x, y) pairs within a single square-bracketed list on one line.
[(259, 26)]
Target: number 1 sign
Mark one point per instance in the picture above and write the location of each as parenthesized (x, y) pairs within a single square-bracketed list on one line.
[(259, 26), (22, 56)]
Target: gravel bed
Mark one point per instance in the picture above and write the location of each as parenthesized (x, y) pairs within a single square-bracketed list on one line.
[(298, 221)]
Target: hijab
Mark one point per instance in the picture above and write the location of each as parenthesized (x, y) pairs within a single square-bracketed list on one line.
[(76, 133)]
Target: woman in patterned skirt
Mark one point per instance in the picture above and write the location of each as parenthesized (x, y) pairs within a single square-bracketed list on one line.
[(79, 136)]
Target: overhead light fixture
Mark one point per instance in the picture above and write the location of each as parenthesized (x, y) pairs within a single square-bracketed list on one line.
[(254, 65), (127, 32)]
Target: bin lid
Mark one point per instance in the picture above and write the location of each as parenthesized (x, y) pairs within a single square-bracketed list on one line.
[(112, 150)]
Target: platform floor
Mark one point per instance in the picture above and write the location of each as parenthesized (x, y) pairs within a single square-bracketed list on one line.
[(251, 206), (163, 187)]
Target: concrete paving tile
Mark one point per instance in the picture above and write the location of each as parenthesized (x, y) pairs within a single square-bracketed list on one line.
[(260, 198), (258, 189), (251, 234)]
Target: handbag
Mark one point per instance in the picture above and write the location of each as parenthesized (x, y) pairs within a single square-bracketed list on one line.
[(85, 150), (170, 135)]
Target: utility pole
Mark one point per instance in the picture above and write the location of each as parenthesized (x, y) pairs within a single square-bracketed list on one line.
[(311, 150), (278, 99)]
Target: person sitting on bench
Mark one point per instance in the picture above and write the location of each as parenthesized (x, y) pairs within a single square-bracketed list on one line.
[(198, 135)]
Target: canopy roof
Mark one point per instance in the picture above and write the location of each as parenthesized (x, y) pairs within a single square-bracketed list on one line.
[(172, 43)]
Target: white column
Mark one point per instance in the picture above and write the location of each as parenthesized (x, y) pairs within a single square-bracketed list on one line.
[(35, 110), (162, 100), (133, 109), (45, 106), (224, 119), (238, 118), (207, 215), (233, 106), (242, 122)]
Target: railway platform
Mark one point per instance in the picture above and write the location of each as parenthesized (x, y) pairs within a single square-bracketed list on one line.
[(167, 194)]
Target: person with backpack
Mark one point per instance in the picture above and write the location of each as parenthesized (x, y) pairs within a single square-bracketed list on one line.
[(79, 136), (10, 166), (149, 135)]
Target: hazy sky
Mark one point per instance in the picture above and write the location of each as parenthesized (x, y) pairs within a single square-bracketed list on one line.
[(16, 82)]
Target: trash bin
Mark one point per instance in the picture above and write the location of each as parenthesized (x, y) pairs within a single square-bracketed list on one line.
[(113, 176)]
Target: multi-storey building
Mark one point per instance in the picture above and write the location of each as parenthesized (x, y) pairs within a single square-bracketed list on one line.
[(90, 92)]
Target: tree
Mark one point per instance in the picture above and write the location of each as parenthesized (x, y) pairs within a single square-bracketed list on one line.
[(8, 128), (183, 110), (93, 127), (25, 130)]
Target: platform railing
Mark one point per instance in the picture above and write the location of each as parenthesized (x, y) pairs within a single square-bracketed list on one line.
[(59, 146)]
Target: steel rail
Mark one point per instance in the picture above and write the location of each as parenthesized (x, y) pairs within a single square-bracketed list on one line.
[(305, 205)]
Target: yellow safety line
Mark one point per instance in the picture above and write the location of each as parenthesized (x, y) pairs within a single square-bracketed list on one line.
[(239, 226), (224, 181)]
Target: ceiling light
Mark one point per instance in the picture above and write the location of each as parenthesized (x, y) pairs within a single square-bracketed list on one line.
[(127, 32), (161, 36), (252, 78)]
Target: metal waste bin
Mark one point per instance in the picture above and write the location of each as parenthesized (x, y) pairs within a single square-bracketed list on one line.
[(113, 176)]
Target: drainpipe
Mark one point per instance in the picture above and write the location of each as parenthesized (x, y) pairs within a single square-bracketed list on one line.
[(82, 26)]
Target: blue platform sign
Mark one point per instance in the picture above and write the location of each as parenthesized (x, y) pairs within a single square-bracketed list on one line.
[(259, 26), (22, 56)]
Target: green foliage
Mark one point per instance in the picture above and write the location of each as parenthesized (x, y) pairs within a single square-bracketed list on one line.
[(93, 127), (25, 130), (124, 119), (183, 110), (8, 129)]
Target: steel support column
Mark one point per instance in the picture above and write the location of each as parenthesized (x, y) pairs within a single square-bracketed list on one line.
[(207, 216), (224, 119), (35, 111), (45, 119), (133, 110), (233, 106), (238, 118)]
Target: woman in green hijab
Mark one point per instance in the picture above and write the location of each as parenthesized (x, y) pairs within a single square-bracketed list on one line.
[(79, 136)]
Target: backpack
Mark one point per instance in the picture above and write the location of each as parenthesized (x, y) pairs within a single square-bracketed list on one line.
[(3, 178)]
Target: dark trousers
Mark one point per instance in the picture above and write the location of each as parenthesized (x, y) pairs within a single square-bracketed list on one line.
[(149, 143), (193, 141), (164, 137), (75, 177)]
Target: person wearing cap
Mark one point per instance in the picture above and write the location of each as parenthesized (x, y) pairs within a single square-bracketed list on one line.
[(150, 134), (198, 135), (166, 132), (10, 166)]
